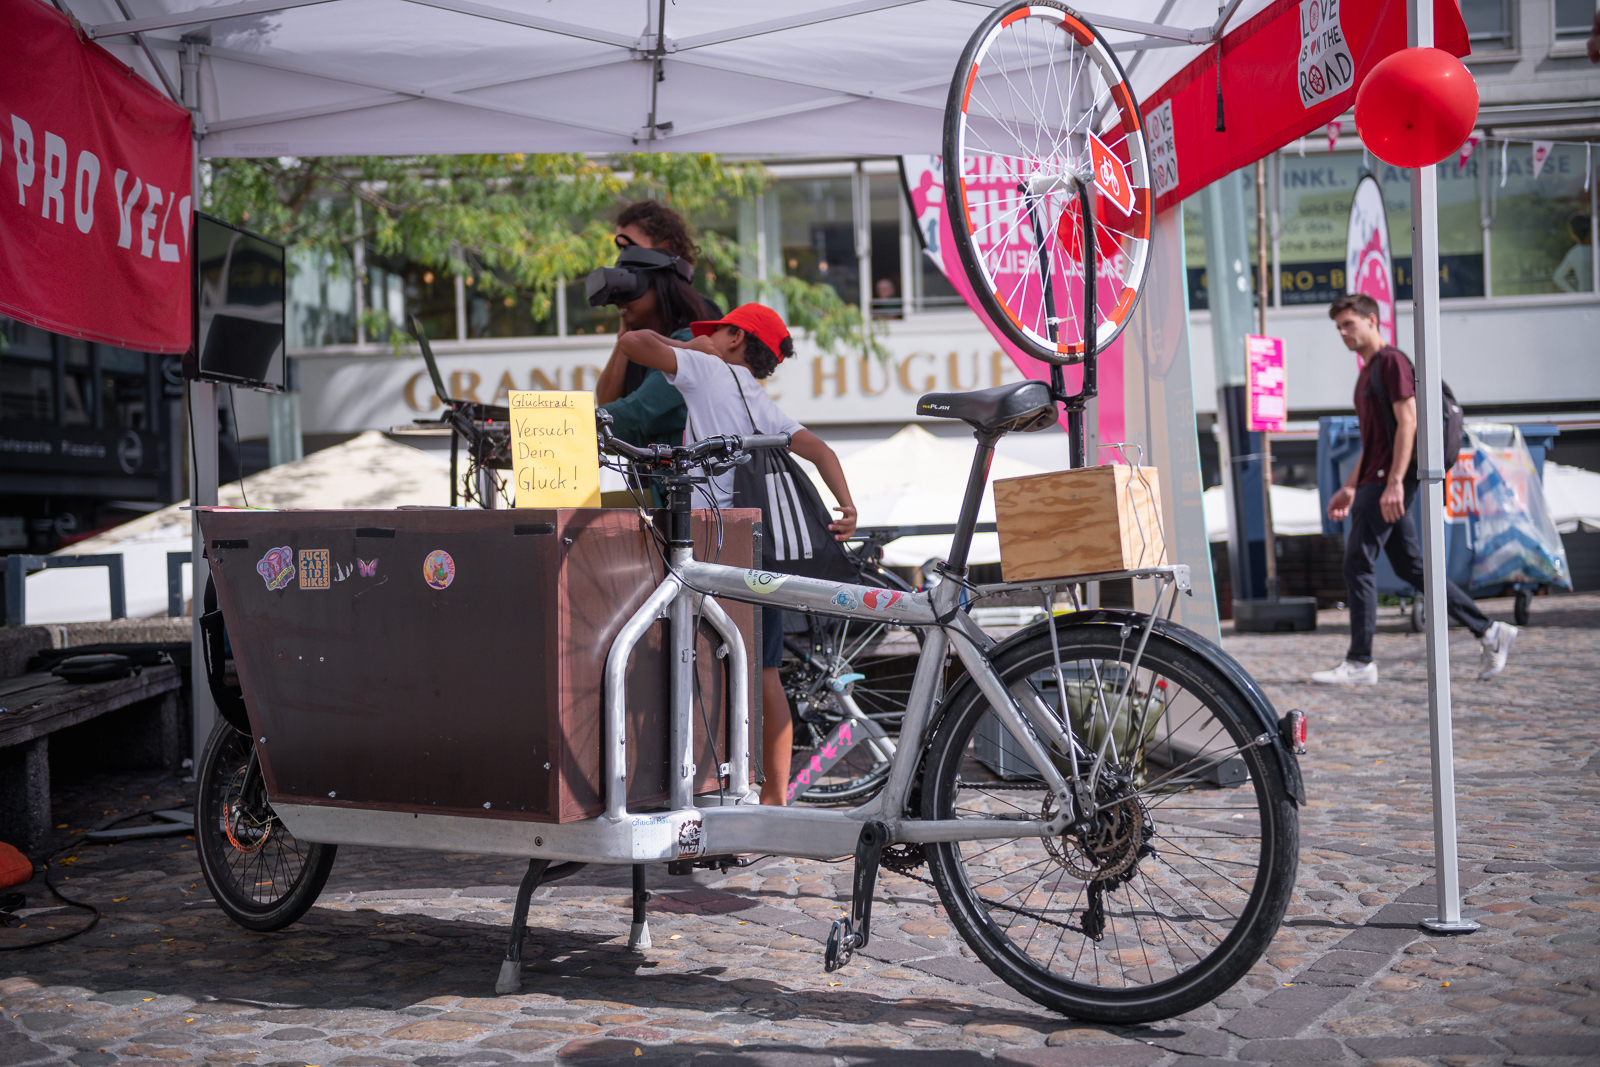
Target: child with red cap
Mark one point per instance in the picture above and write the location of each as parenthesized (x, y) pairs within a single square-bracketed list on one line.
[(718, 374)]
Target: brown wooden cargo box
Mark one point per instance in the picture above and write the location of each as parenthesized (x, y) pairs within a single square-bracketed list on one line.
[(1092, 520), (451, 661)]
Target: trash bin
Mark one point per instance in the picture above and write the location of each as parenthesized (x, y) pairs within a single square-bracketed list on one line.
[(1338, 449)]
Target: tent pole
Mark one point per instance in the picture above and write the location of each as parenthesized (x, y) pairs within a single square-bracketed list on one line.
[(1431, 463), (202, 447)]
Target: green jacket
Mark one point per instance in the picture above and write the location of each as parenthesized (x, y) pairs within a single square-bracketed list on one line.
[(654, 413)]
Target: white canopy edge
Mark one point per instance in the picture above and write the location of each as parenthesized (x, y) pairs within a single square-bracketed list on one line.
[(776, 78)]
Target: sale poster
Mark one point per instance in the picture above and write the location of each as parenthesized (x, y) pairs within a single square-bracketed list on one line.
[(1268, 403), (555, 459)]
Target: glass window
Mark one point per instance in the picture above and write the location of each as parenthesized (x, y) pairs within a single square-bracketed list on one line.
[(1574, 19), (77, 384), (431, 296), (1194, 241), (883, 191), (817, 228), (1488, 24), (1540, 238), (322, 301), (1315, 196), (27, 390)]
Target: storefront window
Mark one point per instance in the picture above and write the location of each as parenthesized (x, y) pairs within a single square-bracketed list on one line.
[(817, 230), (885, 196), (1316, 193), (321, 301), (27, 373), (1538, 222)]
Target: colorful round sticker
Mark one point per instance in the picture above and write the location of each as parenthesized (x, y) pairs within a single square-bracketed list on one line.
[(439, 570)]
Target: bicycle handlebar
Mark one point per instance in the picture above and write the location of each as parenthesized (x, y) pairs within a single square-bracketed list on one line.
[(721, 446)]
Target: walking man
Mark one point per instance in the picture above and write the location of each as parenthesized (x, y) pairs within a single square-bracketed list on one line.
[(1375, 498)]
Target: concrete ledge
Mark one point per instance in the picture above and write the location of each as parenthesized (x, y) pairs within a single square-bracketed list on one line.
[(117, 632)]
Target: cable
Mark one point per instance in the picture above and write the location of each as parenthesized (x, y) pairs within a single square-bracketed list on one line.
[(82, 906), (238, 454)]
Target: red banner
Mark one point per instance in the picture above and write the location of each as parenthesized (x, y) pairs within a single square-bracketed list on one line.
[(1290, 69), (94, 190)]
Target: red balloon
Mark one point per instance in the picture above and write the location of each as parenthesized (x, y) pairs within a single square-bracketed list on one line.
[(1416, 107)]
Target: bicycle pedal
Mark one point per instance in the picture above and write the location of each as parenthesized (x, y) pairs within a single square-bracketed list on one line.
[(840, 947)]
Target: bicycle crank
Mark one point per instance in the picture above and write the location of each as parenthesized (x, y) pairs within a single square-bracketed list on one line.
[(855, 930)]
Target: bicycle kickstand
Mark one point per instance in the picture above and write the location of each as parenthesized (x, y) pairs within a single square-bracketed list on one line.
[(853, 932), (510, 979)]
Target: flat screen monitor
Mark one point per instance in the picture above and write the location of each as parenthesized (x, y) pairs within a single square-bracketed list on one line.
[(239, 299)]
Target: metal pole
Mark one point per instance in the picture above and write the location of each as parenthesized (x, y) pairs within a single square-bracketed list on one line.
[(1263, 287), (202, 401), (1430, 442)]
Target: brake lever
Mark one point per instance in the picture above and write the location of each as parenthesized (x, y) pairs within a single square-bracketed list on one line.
[(739, 460)]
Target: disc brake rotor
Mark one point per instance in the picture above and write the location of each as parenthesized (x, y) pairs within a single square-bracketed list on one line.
[(1111, 847)]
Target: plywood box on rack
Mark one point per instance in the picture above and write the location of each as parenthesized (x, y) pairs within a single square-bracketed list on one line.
[(1092, 520)]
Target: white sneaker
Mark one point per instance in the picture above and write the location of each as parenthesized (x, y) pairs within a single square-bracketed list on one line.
[(1496, 643), (1348, 673)]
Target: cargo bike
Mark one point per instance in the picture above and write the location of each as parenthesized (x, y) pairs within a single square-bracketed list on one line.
[(1105, 802)]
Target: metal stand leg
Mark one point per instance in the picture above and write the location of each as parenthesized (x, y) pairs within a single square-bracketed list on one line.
[(639, 934), (510, 979)]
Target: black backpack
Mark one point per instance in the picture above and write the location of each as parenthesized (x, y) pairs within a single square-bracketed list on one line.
[(1455, 428), (795, 538)]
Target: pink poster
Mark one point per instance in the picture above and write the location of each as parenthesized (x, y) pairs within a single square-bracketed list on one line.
[(1268, 405), (924, 177)]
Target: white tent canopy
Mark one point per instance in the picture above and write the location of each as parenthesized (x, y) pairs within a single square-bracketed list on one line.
[(775, 77)]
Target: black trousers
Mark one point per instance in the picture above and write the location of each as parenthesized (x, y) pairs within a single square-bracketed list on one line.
[(1368, 534)]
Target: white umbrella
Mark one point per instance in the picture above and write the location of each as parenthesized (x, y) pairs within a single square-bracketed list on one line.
[(369, 471)]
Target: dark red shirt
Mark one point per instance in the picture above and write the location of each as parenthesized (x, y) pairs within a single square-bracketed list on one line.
[(1376, 448)]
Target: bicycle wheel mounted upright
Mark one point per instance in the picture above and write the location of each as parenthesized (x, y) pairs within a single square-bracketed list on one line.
[(258, 872), (1179, 882), (1039, 101)]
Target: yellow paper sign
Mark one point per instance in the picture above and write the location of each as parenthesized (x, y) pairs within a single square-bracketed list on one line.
[(554, 456)]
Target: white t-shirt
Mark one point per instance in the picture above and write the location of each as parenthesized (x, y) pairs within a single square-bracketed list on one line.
[(711, 391)]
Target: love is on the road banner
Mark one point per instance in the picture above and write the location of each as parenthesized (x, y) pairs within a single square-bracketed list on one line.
[(94, 190), (1290, 69)]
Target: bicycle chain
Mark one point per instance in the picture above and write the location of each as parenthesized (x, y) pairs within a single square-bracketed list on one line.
[(1075, 928)]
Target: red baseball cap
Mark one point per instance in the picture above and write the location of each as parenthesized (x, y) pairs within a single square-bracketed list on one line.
[(757, 319)]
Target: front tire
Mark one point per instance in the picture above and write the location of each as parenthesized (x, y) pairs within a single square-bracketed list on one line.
[(1193, 846), (259, 873)]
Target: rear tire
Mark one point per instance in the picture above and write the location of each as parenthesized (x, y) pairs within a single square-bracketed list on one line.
[(1192, 852), (259, 873)]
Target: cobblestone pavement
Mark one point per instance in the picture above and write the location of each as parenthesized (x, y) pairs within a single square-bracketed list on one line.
[(396, 964)]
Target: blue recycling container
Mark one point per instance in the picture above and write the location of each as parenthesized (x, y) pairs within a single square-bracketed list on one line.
[(1339, 446)]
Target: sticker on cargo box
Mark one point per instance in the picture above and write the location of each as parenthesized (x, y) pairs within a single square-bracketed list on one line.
[(691, 842), (277, 567), (764, 581), (438, 570), (368, 567), (314, 569)]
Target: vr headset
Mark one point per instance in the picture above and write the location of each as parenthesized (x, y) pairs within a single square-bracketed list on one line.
[(629, 279)]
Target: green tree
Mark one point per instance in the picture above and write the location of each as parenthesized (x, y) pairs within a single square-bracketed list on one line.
[(514, 222)]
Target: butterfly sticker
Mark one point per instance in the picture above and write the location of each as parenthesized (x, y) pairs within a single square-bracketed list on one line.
[(368, 567)]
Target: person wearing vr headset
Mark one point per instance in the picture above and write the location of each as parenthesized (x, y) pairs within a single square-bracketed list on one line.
[(650, 286), (717, 373)]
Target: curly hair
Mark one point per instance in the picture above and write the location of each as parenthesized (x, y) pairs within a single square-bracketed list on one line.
[(761, 360), (664, 226)]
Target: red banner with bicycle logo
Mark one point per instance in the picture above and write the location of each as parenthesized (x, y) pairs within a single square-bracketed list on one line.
[(1321, 48), (94, 190)]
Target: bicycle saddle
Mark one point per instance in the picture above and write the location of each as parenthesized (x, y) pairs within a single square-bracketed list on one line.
[(1019, 407)]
